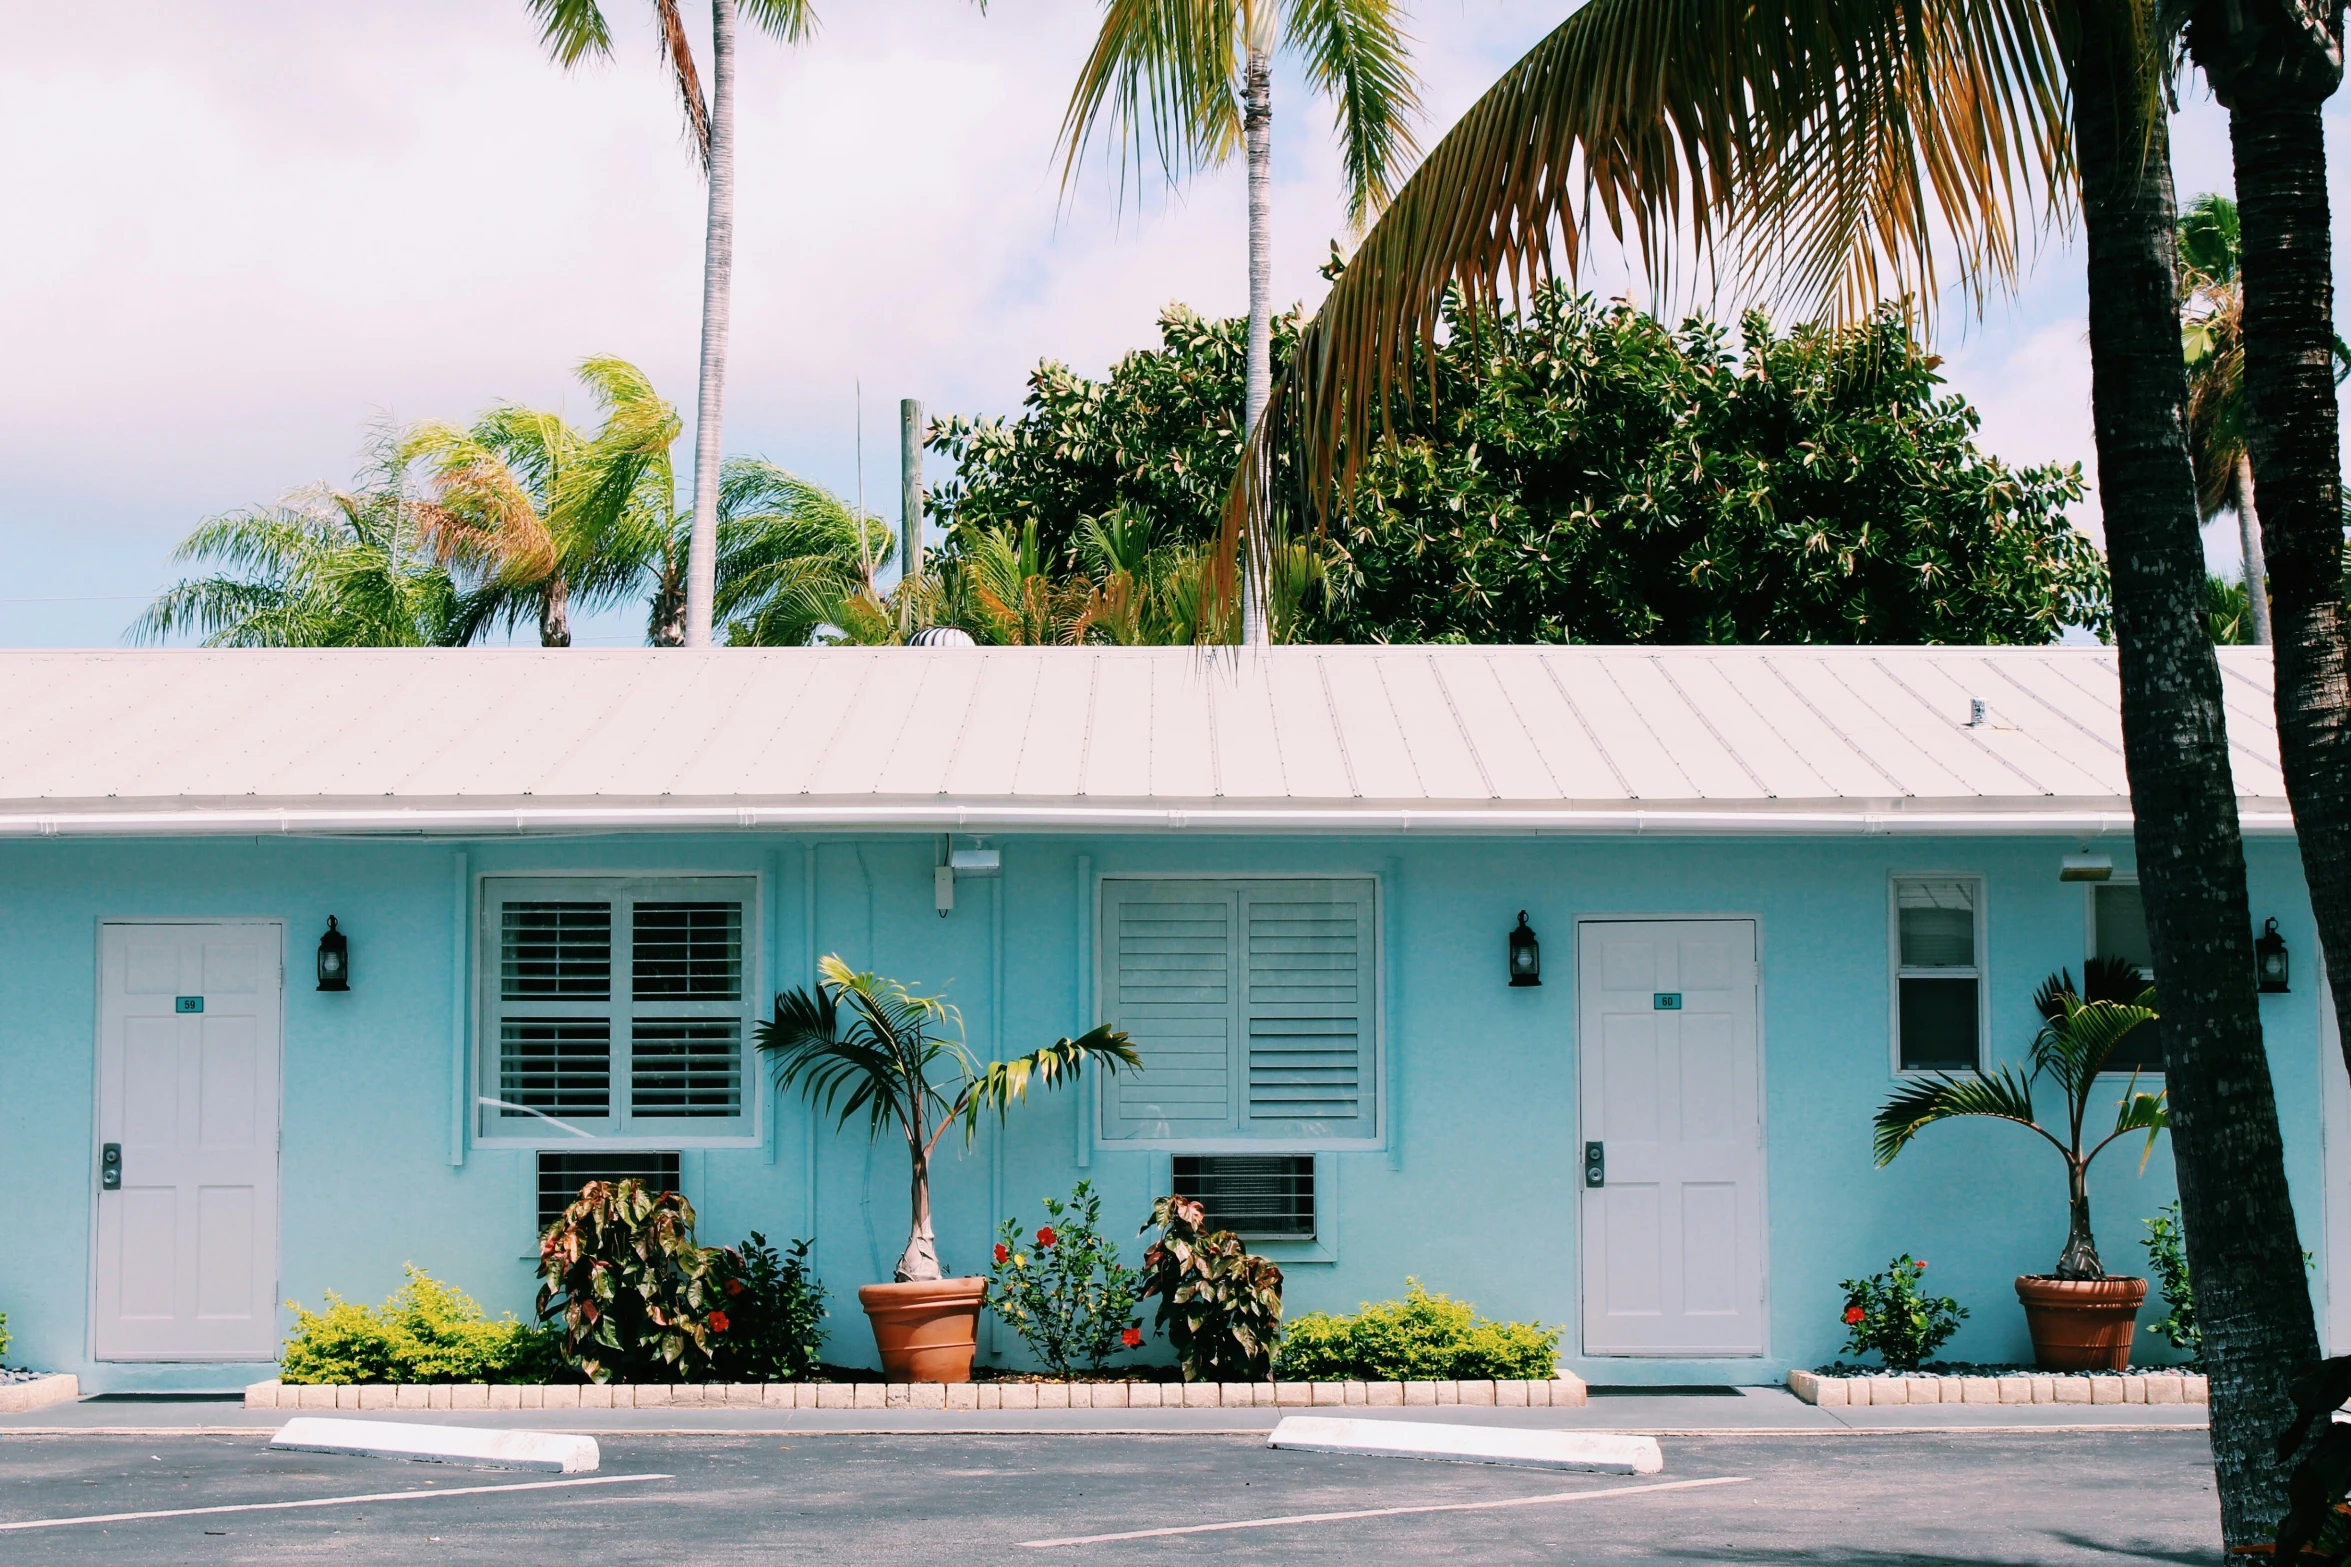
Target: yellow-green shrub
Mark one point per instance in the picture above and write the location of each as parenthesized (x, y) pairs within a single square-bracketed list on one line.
[(426, 1332), (1421, 1338)]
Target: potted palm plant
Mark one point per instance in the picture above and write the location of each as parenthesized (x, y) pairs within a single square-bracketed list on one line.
[(870, 1046), (2080, 1316)]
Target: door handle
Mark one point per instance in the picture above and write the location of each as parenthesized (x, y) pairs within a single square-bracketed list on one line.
[(110, 1167), (1595, 1164)]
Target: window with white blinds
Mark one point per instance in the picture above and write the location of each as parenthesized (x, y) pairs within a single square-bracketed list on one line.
[(1254, 1006), (616, 1008)]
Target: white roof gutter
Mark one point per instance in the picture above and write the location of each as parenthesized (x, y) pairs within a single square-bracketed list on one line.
[(1695, 821)]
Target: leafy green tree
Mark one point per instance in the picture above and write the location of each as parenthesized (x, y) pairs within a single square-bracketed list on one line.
[(323, 568), (1589, 475), (792, 561)]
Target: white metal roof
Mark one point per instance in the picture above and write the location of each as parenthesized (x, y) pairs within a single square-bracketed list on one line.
[(1486, 739)]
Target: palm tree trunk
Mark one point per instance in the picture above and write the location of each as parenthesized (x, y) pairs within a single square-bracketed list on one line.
[(718, 268), (921, 1258), (555, 612), (2225, 1143), (2249, 539), (1257, 378), (2079, 1260), (2278, 141)]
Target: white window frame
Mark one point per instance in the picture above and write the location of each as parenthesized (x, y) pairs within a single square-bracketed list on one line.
[(1104, 981), (491, 1129), (1896, 973), (2090, 950)]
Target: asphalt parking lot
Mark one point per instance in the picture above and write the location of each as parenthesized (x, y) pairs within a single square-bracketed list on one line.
[(1873, 1500)]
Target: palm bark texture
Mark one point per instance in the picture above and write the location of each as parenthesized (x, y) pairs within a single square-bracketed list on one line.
[(576, 30), (1832, 152), (1193, 82)]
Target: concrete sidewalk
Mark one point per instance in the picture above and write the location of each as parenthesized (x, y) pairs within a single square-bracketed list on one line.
[(1754, 1411)]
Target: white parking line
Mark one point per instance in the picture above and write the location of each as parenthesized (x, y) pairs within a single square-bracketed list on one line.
[(327, 1501), (1389, 1512)]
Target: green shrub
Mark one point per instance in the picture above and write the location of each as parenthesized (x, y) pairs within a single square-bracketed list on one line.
[(426, 1332), (1219, 1305), (1421, 1338), (2167, 1259), (1065, 1291), (1889, 1314), (772, 1323), (631, 1295), (3, 1335)]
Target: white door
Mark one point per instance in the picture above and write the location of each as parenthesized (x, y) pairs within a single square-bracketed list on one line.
[(188, 1023), (2335, 1100), (1673, 1203)]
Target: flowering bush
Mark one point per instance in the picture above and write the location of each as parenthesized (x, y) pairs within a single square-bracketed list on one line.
[(1888, 1314), (426, 1332), (2167, 1259), (1064, 1289), (770, 1322), (1421, 1338), (1219, 1305)]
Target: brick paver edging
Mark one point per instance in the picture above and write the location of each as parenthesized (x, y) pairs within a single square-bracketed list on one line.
[(2022, 1388), (1560, 1392)]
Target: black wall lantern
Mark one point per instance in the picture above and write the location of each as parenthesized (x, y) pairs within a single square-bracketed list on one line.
[(334, 959), (1526, 954), (2269, 959)]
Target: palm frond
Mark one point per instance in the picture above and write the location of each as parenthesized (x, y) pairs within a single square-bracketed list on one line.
[(1356, 52), (2002, 1094), (2074, 1046), (787, 21), (573, 30), (1164, 73), (1815, 150), (1002, 1084), (677, 52)]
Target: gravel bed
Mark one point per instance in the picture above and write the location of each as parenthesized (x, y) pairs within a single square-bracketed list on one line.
[(20, 1375)]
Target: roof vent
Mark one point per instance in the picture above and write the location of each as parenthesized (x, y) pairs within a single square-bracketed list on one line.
[(1979, 712), (941, 636)]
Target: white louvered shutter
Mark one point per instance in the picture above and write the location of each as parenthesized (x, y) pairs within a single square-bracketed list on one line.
[(1311, 1071), (1251, 1004), (1173, 975)]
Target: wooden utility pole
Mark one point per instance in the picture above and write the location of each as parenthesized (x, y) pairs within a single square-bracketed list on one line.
[(910, 487)]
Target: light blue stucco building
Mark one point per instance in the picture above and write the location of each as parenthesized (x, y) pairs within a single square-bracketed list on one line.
[(1765, 883)]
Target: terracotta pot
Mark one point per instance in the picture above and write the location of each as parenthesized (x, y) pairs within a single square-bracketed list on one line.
[(2081, 1324), (926, 1330)]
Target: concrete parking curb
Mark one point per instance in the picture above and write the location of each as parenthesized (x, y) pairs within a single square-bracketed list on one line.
[(2019, 1388), (1559, 1392), (1594, 1452), (39, 1393), (469, 1447)]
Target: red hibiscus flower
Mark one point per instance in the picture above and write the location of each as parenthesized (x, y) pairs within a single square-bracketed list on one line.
[(718, 1322), (1922, 1267), (1132, 1338), (1046, 1237), (1003, 1252), (734, 1286), (1854, 1313)]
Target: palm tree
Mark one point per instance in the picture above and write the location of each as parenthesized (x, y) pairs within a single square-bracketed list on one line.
[(575, 30), (2212, 320), (323, 568), (544, 515), (2076, 1037), (863, 1043), (1196, 81), (793, 557), (1828, 152)]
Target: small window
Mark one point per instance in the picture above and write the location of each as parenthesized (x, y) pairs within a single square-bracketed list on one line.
[(1259, 1197), (2118, 926), (561, 1175), (614, 1008), (1938, 973)]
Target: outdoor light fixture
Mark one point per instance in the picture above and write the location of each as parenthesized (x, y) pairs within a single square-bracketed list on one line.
[(2086, 867), (334, 959), (2269, 959), (1526, 954)]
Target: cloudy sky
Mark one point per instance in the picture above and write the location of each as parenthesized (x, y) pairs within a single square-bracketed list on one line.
[(241, 233)]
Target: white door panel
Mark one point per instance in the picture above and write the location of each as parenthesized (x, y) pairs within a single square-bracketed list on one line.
[(186, 1265), (1673, 1242)]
